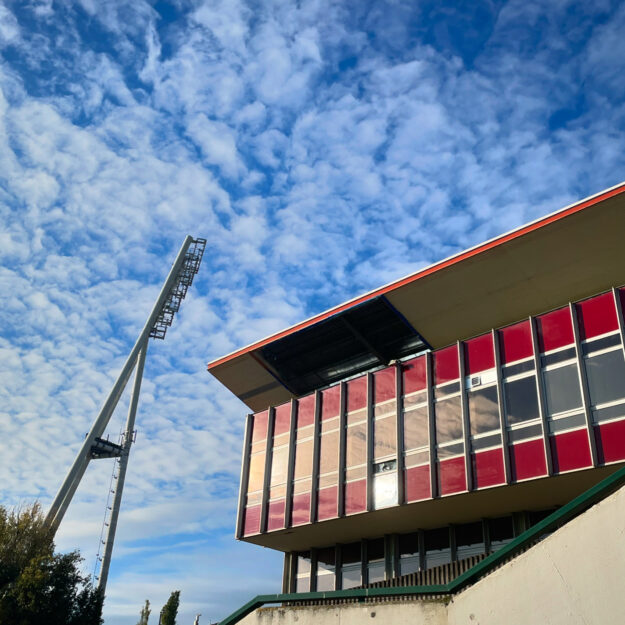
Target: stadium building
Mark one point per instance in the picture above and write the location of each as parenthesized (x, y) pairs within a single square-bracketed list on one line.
[(436, 418)]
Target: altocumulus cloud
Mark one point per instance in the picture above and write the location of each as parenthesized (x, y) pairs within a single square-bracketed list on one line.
[(322, 149)]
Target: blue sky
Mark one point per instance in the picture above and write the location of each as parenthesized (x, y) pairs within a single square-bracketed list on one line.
[(322, 148)]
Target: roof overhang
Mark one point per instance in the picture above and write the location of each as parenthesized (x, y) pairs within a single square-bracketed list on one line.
[(568, 255)]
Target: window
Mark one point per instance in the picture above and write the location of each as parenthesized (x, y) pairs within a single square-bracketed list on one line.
[(302, 572), (483, 410), (326, 566), (351, 567), (606, 377), (521, 400), (437, 548), (562, 390), (500, 531), (469, 540), (448, 420), (375, 560), (409, 554)]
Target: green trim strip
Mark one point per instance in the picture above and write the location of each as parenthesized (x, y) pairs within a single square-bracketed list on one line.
[(558, 518)]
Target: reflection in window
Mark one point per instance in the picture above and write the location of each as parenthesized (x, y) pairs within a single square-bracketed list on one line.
[(606, 377), (521, 400), (409, 553), (302, 578), (351, 567), (437, 548), (469, 540), (483, 410), (375, 560), (562, 391), (416, 428), (448, 420), (325, 569)]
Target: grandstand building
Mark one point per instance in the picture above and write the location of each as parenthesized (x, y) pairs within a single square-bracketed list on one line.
[(437, 417)]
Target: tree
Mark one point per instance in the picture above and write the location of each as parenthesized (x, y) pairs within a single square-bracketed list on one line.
[(36, 584), (170, 609), (145, 613)]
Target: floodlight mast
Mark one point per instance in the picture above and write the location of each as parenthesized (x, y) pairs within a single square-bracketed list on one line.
[(174, 289)]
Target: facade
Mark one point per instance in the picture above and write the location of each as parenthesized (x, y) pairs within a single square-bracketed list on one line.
[(437, 417)]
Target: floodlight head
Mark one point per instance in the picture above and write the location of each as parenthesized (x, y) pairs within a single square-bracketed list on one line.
[(178, 290)]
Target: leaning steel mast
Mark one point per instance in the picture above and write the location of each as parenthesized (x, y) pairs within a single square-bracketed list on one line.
[(174, 289)]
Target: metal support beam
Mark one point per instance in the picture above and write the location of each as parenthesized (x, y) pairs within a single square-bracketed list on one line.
[(70, 484), (123, 465)]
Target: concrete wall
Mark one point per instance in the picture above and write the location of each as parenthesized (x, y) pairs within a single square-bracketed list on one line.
[(413, 612), (575, 576)]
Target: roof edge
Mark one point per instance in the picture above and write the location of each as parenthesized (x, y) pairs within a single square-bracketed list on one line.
[(430, 269)]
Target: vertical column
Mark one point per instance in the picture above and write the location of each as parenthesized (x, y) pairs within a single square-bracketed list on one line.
[(505, 442), (581, 370), (364, 560), (338, 567), (267, 477), (288, 508), (369, 442), (287, 573), (421, 539), (486, 535), (314, 498), (432, 426), (399, 392), (245, 474), (619, 314), (313, 570), (542, 407), (453, 547), (342, 449), (468, 467)]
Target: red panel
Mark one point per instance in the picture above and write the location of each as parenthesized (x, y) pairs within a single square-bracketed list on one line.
[(259, 431), (357, 393), (570, 451), (488, 468), (452, 476), (515, 342), (300, 514), (479, 354), (384, 387), (528, 460), (610, 439), (356, 497), (555, 329), (418, 483), (596, 316), (306, 411), (327, 503), (282, 421), (415, 375), (331, 402), (446, 364), (251, 523), (275, 515)]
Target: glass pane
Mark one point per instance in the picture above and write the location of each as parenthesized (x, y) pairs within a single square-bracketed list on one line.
[(483, 410), (469, 539), (279, 461), (303, 459), (448, 420), (385, 490), (409, 565), (521, 400), (325, 560), (351, 576), (408, 545), (302, 584), (257, 473), (329, 458), (384, 437), (562, 390), (606, 377), (501, 531), (356, 450), (303, 563), (375, 549), (325, 581), (416, 428), (376, 572)]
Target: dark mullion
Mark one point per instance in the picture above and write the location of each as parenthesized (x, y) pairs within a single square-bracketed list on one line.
[(370, 434), (364, 562), (395, 568), (453, 547), (505, 443), (313, 570), (421, 543), (542, 406), (338, 565), (464, 407), (342, 449), (314, 496), (245, 474), (271, 419), (431, 425), (584, 383), (288, 506), (486, 535), (619, 315), (388, 556), (399, 392)]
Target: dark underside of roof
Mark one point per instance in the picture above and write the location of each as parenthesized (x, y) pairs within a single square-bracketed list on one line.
[(350, 342)]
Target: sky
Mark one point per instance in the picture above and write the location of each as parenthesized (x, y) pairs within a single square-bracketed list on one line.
[(323, 148)]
